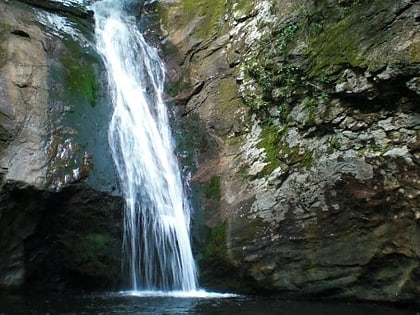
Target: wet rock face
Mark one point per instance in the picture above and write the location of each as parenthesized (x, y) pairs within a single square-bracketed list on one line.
[(77, 244), (59, 213), (307, 137), (23, 126), (23, 135)]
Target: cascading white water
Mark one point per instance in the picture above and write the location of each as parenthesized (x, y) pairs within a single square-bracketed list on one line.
[(156, 236)]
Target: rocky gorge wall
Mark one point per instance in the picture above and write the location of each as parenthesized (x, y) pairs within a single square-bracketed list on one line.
[(304, 116), (60, 221)]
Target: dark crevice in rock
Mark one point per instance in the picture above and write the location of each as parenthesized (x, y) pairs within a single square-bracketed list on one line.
[(20, 33), (321, 130), (245, 18), (198, 103), (184, 97), (407, 6), (383, 89), (189, 54)]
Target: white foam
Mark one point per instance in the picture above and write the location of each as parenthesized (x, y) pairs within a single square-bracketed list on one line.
[(197, 294)]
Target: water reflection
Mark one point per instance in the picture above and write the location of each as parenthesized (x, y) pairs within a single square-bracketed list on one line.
[(123, 303)]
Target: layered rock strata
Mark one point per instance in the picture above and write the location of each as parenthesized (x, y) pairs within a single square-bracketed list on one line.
[(306, 126)]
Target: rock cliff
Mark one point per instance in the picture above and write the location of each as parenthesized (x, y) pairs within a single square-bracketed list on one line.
[(304, 116), (51, 139)]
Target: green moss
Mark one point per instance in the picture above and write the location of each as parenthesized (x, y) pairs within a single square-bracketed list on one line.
[(215, 248), (415, 52), (92, 253), (2, 54), (212, 189), (371, 148), (305, 159), (83, 82), (175, 88), (294, 157), (336, 46), (209, 198), (270, 143), (228, 91), (209, 12), (346, 35), (278, 151), (243, 7), (334, 144), (310, 104), (217, 268), (79, 72)]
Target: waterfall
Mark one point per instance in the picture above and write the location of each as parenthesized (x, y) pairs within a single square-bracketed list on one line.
[(156, 220)]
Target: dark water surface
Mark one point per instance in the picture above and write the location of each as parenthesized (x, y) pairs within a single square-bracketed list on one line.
[(126, 304)]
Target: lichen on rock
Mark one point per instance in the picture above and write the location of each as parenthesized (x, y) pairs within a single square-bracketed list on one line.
[(320, 176)]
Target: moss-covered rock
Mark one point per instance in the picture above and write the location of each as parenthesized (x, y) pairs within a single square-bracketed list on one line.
[(80, 76), (312, 172), (207, 16)]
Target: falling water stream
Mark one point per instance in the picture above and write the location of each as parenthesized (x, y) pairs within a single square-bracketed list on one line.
[(156, 224)]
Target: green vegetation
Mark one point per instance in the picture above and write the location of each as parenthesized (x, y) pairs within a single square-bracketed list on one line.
[(335, 45), (93, 252), (243, 7), (270, 143), (228, 92), (215, 249), (343, 35), (292, 156), (334, 144), (415, 52), (216, 262), (298, 60), (278, 151), (371, 148), (274, 83), (209, 14), (79, 72), (212, 189)]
